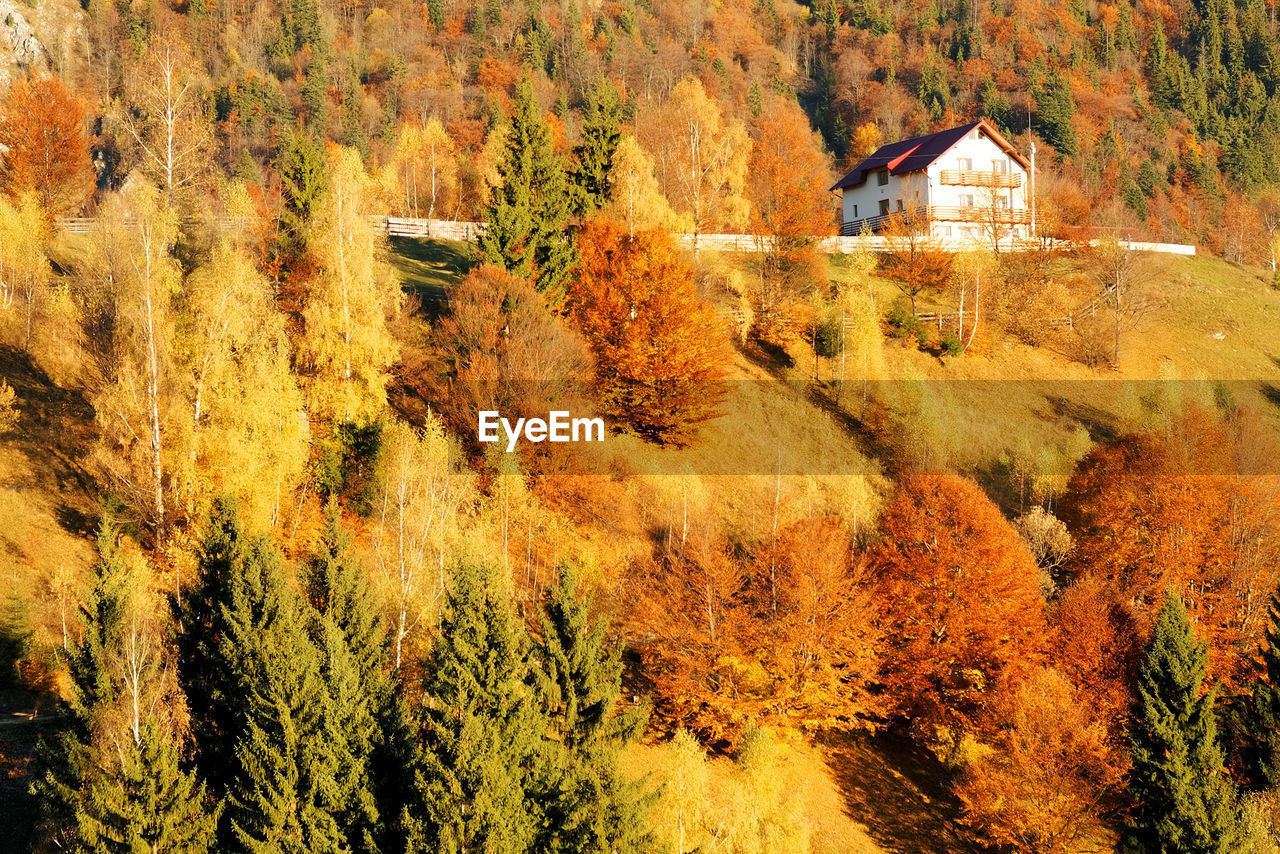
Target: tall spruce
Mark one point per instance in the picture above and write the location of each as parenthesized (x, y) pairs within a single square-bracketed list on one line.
[(353, 644), (593, 807), (110, 786), (601, 133), (1182, 800), (527, 218), (150, 805), (1262, 712), (1055, 108), (67, 757), (259, 704), (482, 782)]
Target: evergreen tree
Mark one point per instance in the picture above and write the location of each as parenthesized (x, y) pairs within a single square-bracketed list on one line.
[(149, 805), (525, 222), (1183, 802), (601, 133), (285, 792), (935, 92), (482, 780), (593, 808), (67, 757), (302, 174), (353, 645), (1262, 713), (1055, 108)]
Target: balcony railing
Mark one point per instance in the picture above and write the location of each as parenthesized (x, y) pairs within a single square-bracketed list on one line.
[(970, 178), (938, 213)]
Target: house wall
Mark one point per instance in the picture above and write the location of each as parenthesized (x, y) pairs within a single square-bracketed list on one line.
[(927, 188)]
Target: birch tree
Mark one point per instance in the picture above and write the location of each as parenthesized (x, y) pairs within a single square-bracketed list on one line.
[(417, 512), (129, 258), (702, 158), (247, 430), (634, 195), (425, 170), (165, 119), (347, 347), (24, 269)]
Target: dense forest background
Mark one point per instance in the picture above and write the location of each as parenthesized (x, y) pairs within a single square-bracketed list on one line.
[(915, 551)]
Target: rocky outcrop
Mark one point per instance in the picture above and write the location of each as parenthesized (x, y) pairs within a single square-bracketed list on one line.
[(20, 49)]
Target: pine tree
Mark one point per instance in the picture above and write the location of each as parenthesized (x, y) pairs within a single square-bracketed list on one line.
[(1262, 714), (302, 174), (149, 805), (68, 756), (1055, 108), (285, 792), (1183, 802), (525, 221), (480, 786), (593, 808), (353, 645), (601, 133)]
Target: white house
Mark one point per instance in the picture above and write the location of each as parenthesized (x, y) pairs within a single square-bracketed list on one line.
[(965, 182)]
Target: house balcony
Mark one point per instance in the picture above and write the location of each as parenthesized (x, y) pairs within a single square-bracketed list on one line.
[(939, 214), (970, 178)]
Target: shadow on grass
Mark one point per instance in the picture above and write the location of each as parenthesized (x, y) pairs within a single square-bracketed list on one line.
[(428, 268), (899, 793)]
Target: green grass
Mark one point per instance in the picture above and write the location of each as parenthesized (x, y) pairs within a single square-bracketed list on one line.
[(427, 268)]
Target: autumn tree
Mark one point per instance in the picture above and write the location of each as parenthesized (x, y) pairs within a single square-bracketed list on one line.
[(24, 267), (1124, 278), (1051, 773), (634, 194), (348, 347), (247, 432), (913, 259), (659, 357), (702, 158), (1182, 799), (130, 257), (164, 115), (525, 223), (962, 611), (500, 348), (424, 168), (787, 163), (45, 149)]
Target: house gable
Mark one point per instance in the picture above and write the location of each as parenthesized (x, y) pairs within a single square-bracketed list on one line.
[(918, 153)]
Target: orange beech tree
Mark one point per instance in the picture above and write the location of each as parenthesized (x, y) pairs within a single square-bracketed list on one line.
[(1183, 505), (1041, 790), (961, 608), (787, 165), (46, 152), (660, 351), (914, 260)]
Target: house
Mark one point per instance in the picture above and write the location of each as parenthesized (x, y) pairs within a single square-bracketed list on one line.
[(966, 183)]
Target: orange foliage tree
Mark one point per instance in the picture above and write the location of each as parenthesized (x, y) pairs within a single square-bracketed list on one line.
[(914, 260), (787, 167), (498, 348), (660, 351), (42, 130), (1183, 505), (962, 611), (1052, 769), (783, 634)]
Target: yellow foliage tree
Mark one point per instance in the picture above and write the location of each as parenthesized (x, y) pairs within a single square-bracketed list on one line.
[(424, 170), (24, 269), (248, 430), (348, 348), (702, 158), (635, 197)]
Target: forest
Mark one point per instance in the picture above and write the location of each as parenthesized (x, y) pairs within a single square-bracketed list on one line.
[(912, 550)]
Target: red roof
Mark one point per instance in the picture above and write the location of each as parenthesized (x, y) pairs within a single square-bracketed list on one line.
[(915, 154)]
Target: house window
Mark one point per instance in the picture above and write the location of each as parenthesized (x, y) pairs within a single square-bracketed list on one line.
[(964, 164), (1000, 166), (899, 205), (882, 177), (966, 200), (944, 231), (884, 207)]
